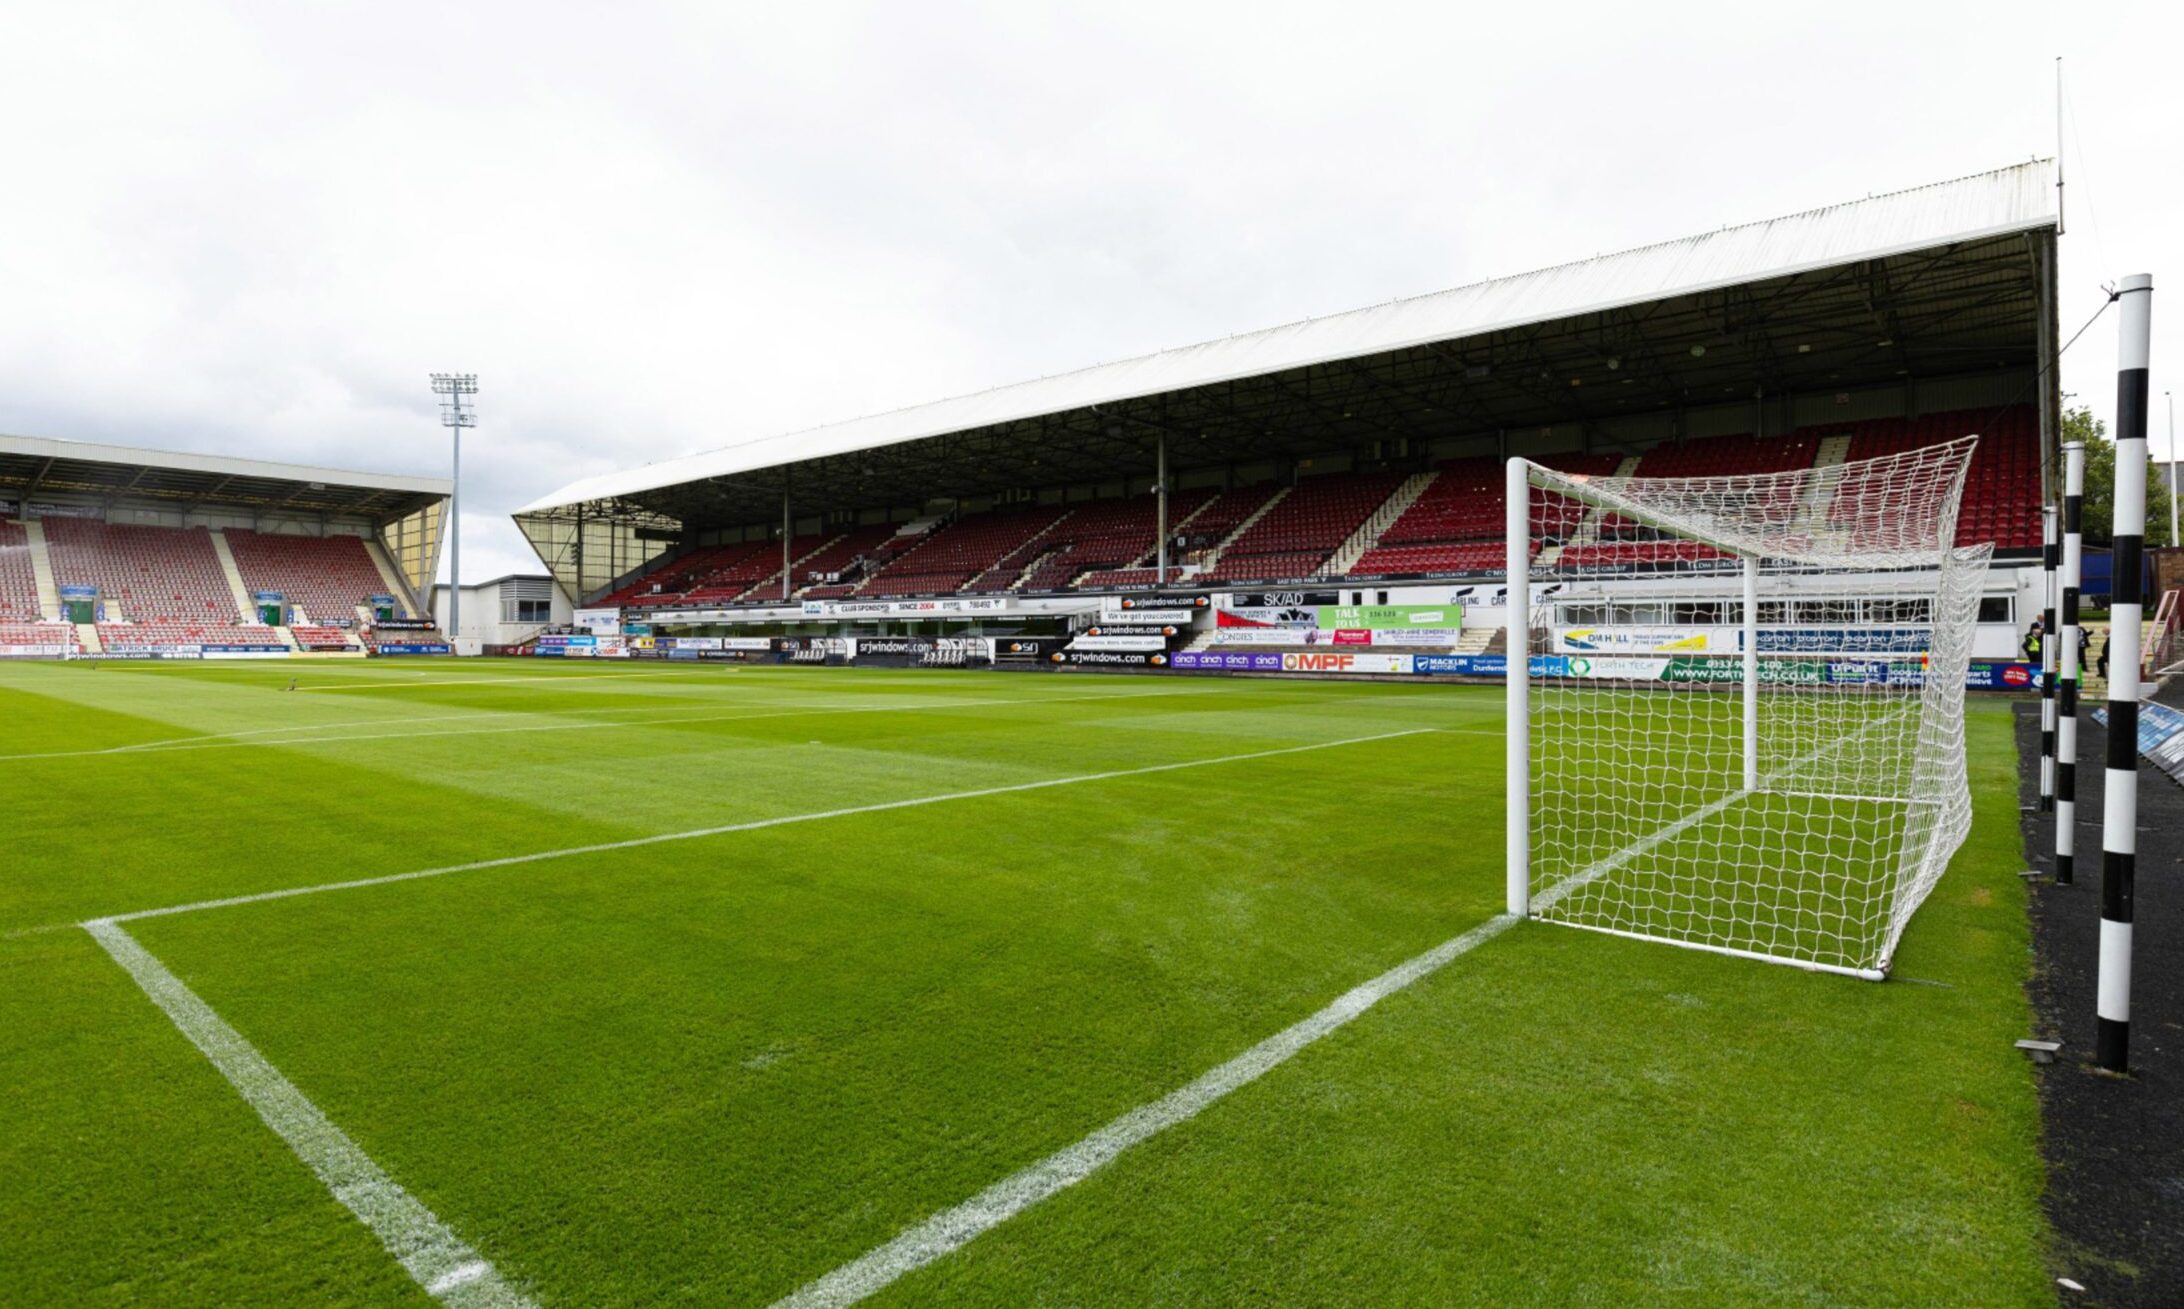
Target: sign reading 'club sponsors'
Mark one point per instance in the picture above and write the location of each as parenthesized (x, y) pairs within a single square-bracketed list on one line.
[(903, 608), (1378, 617)]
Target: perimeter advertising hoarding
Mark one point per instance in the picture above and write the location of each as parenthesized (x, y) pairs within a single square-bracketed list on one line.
[(1243, 616), (1378, 617), (903, 608), (2160, 736), (1342, 661), (754, 643), (1228, 661), (1417, 636), (1111, 658), (1820, 642), (1020, 649), (894, 646), (1282, 599), (1112, 614), (1780, 672)]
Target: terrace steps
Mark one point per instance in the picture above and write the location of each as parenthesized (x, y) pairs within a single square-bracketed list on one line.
[(245, 608), (1213, 557), (1819, 505), (773, 579), (41, 568), (1588, 530), (1369, 533), (387, 574)]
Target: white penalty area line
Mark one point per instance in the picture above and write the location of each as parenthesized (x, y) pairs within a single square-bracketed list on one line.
[(428, 1250), (753, 825), (457, 1275), (951, 1229)]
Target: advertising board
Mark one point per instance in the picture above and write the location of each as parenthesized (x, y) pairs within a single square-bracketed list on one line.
[(1378, 617), (600, 621), (1110, 658), (1021, 649), (1091, 641), (1112, 613), (1229, 661), (903, 608), (1342, 661)]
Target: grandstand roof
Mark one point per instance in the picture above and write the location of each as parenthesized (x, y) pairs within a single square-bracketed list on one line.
[(1933, 280), (31, 466)]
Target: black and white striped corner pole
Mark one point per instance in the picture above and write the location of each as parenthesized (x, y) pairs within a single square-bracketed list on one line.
[(2066, 669), (2048, 642), (2119, 802)]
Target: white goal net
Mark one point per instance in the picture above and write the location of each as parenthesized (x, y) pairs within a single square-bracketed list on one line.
[(1741, 725)]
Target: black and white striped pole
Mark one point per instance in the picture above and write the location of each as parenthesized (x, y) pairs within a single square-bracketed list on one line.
[(2126, 610), (2048, 642), (2066, 668)]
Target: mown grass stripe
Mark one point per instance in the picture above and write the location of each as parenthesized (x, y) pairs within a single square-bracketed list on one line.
[(756, 824)]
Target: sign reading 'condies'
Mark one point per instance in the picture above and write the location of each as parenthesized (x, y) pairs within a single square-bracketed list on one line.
[(1387, 617)]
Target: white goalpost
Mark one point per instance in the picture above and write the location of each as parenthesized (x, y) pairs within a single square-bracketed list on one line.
[(1736, 704)]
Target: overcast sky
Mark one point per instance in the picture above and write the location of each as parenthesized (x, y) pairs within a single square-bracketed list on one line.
[(652, 229)]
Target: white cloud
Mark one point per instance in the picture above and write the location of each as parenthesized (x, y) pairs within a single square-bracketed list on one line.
[(255, 228)]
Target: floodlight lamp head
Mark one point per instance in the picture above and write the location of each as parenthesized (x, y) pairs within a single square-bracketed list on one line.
[(454, 383)]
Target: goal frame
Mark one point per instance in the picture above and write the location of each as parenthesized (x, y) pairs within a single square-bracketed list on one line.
[(1521, 628)]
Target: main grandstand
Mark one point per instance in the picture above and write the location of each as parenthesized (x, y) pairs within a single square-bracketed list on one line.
[(1361, 453), (117, 552)]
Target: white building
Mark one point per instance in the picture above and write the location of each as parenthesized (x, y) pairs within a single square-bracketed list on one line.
[(504, 611)]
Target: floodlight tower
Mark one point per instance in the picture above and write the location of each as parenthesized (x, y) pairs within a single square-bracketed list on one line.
[(455, 415)]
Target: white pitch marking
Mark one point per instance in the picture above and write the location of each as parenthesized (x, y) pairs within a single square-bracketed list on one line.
[(427, 1248), (563, 679), (316, 737), (951, 1229), (753, 825)]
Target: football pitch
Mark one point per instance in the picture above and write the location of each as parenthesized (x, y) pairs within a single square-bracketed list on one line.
[(513, 982)]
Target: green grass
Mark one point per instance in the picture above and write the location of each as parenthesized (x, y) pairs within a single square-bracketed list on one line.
[(705, 1072)]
